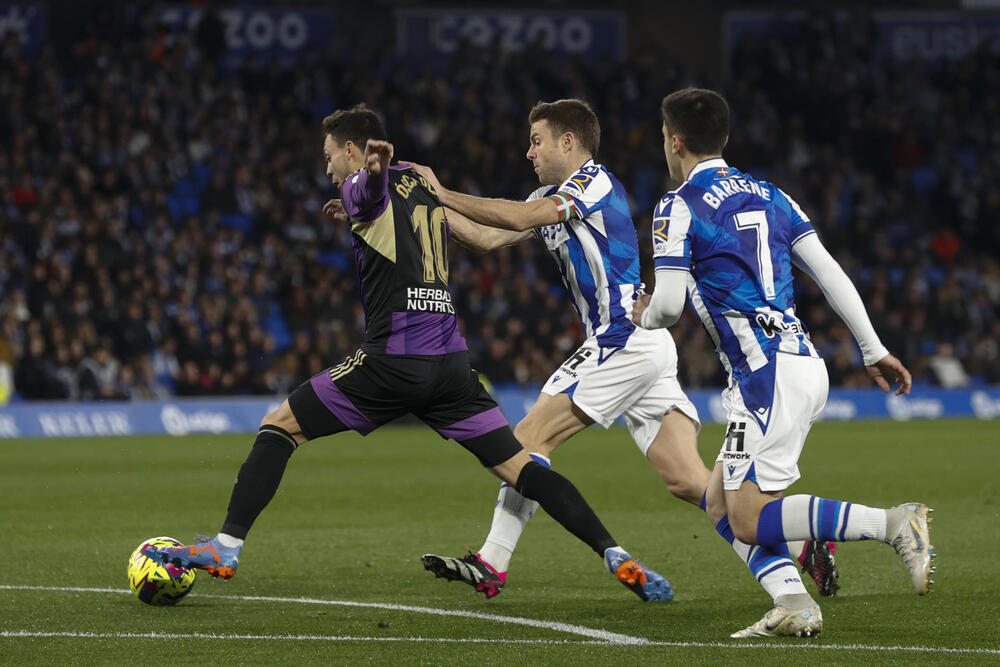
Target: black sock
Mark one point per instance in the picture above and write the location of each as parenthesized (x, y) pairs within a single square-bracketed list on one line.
[(258, 479), (563, 502)]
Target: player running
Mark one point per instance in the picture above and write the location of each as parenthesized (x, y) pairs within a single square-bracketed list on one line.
[(729, 241), (581, 213), (413, 359)]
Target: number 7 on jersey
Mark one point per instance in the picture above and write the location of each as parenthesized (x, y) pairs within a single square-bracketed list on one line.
[(757, 221)]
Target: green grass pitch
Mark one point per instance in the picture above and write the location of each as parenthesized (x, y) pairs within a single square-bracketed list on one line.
[(353, 516)]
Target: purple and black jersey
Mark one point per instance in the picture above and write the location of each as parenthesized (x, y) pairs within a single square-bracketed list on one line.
[(413, 360), (400, 239)]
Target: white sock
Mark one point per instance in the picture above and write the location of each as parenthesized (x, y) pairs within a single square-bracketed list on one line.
[(229, 541), (609, 558), (795, 601), (782, 575), (512, 513), (811, 517)]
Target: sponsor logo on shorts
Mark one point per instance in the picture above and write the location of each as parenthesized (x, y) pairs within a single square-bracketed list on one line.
[(733, 447), (734, 436), (569, 366)]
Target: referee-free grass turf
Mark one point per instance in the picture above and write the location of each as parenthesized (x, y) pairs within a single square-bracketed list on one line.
[(353, 515)]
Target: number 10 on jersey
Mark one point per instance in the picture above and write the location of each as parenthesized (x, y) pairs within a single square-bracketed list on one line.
[(433, 242)]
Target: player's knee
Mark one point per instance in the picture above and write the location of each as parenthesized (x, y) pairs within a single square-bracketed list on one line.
[(744, 525), (685, 489), (524, 434), (714, 509), (272, 418), (530, 437), (284, 419)]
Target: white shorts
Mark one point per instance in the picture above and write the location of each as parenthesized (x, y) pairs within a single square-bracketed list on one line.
[(638, 381), (771, 458)]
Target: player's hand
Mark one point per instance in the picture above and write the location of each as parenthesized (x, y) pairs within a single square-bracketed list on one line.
[(334, 209), (639, 307), (378, 153), (890, 369), (428, 174)]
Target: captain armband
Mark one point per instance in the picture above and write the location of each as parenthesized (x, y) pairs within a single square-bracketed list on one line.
[(566, 206)]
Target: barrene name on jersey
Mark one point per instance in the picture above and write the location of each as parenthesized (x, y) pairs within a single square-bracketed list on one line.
[(732, 186), (428, 300)]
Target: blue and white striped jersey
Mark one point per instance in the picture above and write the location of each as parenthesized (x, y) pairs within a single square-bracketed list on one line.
[(734, 235), (596, 249)]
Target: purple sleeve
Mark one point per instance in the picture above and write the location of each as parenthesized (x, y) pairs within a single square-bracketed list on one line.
[(366, 197)]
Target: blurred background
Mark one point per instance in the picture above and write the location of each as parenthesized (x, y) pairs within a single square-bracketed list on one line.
[(161, 175)]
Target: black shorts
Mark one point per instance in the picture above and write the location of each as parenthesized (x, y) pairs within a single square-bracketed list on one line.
[(369, 390)]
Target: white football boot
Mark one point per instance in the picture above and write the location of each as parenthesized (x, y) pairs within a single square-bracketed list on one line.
[(785, 622), (913, 544)]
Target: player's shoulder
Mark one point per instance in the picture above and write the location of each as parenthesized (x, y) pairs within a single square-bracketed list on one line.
[(590, 180), (770, 190), (784, 201), (404, 181), (670, 203), (398, 171)]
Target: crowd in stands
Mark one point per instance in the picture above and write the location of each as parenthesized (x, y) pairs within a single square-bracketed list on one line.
[(161, 232)]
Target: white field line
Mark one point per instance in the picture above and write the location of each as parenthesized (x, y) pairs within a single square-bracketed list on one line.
[(14, 634), (30, 634), (600, 637)]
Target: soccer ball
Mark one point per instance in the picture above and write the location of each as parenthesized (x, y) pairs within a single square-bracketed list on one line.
[(155, 583)]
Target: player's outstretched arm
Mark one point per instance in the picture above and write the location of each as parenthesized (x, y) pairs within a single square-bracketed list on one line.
[(365, 193), (501, 213), (810, 256), (378, 154), (478, 237), (466, 231)]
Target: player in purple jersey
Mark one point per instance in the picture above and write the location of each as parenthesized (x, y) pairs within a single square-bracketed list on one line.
[(412, 360), (581, 214), (729, 242)]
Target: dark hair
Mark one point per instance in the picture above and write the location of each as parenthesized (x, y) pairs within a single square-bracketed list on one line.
[(700, 116), (358, 124), (574, 116)]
